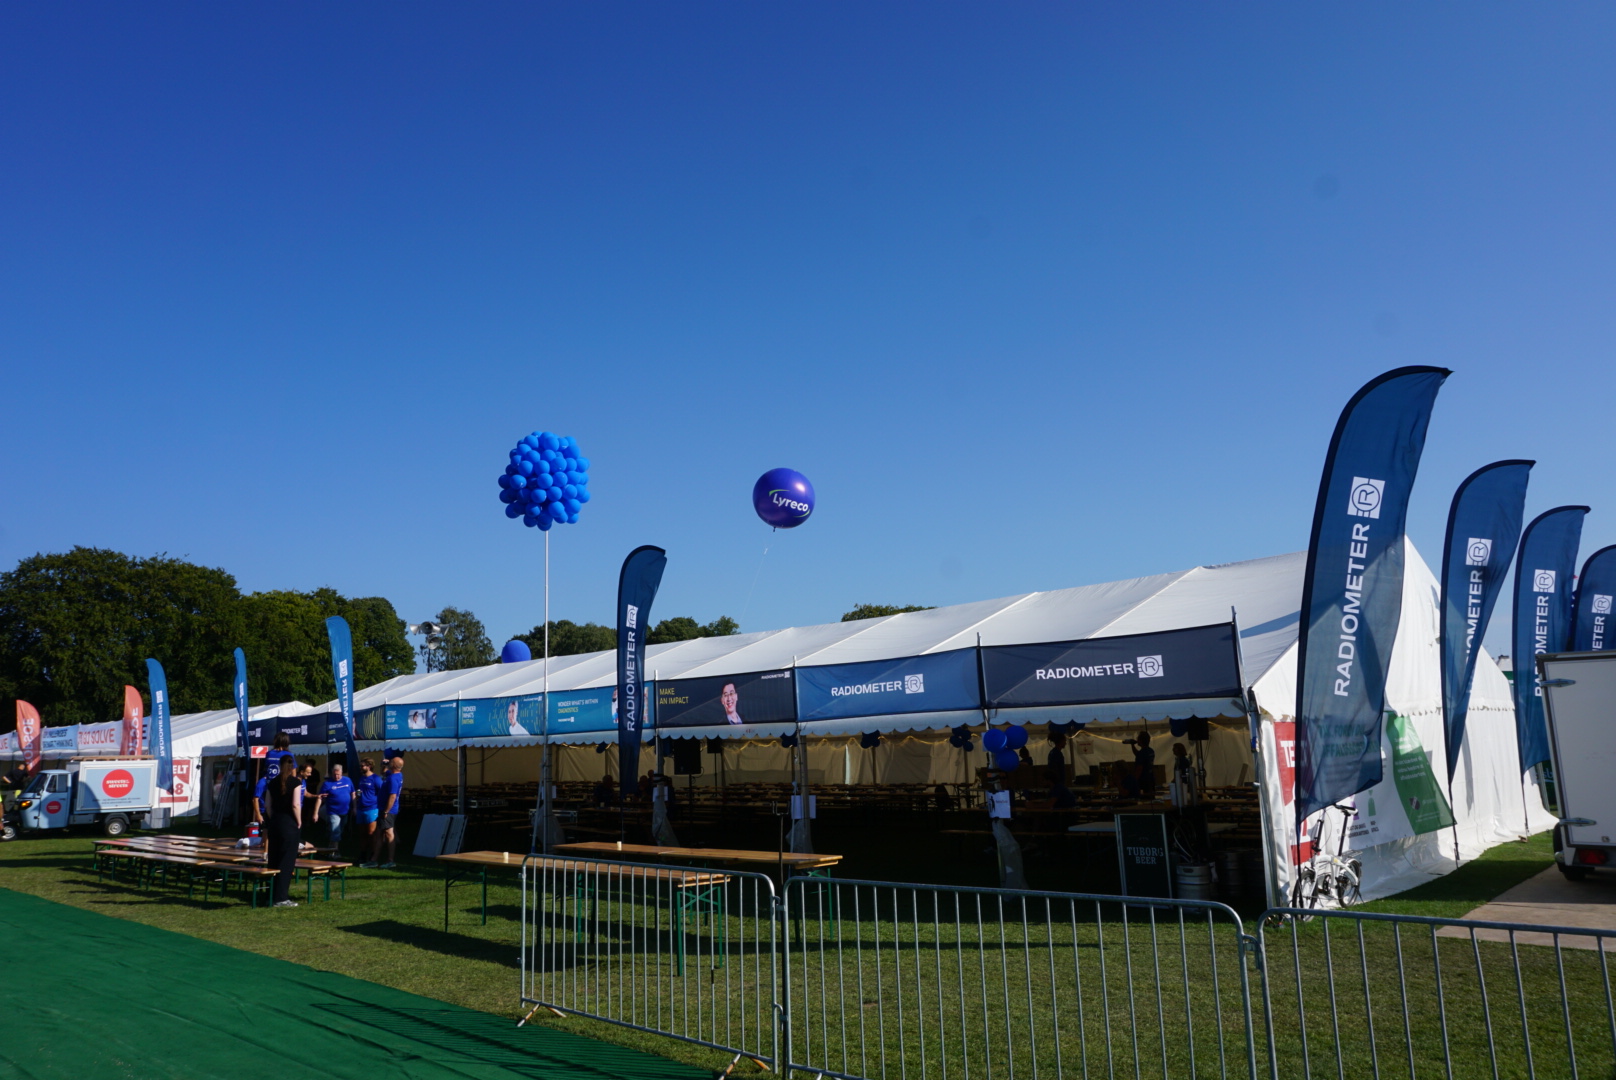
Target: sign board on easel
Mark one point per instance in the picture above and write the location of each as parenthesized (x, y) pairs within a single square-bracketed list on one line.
[(1142, 855)]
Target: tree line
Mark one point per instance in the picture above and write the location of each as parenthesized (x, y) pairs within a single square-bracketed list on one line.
[(76, 627)]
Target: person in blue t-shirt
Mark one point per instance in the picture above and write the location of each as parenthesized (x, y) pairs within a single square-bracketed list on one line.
[(338, 791), (365, 792), (390, 794)]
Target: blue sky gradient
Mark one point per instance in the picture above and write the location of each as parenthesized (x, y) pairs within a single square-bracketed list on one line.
[(1037, 295)]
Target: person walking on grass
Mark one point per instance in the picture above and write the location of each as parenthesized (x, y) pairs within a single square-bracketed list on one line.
[(390, 795), (339, 792), (365, 791), (284, 820)]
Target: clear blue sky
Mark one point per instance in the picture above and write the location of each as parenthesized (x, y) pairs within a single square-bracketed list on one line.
[(1037, 295)]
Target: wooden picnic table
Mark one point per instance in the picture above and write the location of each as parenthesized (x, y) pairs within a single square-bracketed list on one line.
[(804, 861), (248, 865), (463, 863)]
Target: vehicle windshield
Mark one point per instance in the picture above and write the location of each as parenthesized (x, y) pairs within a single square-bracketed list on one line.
[(35, 786)]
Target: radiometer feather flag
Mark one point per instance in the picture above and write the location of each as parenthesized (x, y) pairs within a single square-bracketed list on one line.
[(1596, 603), (1352, 594), (162, 744), (341, 638), (1484, 524), (636, 588), (1543, 572)]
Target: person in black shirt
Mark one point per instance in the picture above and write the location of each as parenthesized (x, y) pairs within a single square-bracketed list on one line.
[(1144, 764), (284, 825)]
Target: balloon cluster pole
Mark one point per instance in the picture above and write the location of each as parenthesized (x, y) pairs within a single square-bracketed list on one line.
[(544, 772)]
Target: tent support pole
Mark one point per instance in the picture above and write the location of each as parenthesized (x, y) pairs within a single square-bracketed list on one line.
[(460, 779), (1264, 808)]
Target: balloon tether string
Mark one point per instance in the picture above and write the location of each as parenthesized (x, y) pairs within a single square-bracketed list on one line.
[(757, 574)]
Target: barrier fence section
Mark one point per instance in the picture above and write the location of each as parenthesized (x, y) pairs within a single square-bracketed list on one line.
[(884, 980), (1349, 993), (686, 953), (869, 980)]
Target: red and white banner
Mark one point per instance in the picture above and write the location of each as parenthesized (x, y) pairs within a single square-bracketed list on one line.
[(133, 712), (29, 730), (180, 792)]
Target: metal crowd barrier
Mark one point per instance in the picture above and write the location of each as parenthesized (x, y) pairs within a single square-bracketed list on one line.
[(1349, 994), (868, 980), (674, 951), (884, 980)]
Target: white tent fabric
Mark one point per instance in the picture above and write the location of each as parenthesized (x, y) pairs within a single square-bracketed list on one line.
[(1262, 595), (213, 734), (1490, 800)]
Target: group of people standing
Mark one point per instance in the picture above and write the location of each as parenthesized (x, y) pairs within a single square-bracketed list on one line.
[(292, 801)]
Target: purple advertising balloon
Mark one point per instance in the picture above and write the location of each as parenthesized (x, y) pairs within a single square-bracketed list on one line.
[(783, 498)]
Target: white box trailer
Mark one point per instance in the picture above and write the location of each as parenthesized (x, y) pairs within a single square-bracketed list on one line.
[(114, 794), (1579, 705)]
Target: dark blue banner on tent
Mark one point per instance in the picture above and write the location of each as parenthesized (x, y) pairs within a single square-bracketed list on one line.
[(941, 682), (1196, 662), (260, 734), (336, 630), (1352, 592), (1543, 572), (1484, 525), (162, 736), (310, 729), (241, 702), (753, 697), (1595, 589), (636, 588)]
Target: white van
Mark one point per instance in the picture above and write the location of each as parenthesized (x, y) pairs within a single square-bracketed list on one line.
[(1579, 703)]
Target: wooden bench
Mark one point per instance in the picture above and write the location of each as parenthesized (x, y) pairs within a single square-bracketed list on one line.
[(244, 865)]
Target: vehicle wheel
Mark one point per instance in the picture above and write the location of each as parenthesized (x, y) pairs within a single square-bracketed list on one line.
[(8, 832), (1576, 873), (115, 825)]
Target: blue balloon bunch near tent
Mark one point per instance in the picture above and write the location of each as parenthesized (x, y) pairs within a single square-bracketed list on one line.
[(547, 481), (1003, 746)]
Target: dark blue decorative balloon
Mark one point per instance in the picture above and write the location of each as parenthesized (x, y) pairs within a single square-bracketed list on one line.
[(1015, 738), (546, 482), (1006, 760), (783, 498), (515, 652), (993, 740)]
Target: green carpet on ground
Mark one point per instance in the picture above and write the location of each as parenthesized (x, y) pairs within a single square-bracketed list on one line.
[(89, 996)]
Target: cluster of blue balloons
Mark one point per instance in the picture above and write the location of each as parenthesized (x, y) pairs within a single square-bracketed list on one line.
[(870, 740), (1003, 746), (547, 481), (961, 737)]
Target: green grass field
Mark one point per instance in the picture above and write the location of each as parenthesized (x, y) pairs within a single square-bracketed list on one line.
[(390, 931)]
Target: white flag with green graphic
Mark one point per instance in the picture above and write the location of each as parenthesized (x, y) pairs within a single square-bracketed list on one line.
[(1408, 801)]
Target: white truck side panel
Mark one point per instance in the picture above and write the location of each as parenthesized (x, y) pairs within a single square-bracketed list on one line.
[(107, 786), (1581, 717)]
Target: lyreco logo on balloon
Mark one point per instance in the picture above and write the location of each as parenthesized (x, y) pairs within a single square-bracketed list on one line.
[(781, 498)]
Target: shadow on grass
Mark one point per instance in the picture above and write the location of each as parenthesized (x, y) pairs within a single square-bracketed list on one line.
[(541, 1053), (460, 946)]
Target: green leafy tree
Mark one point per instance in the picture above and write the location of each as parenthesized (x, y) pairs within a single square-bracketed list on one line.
[(568, 638), (684, 628), (876, 611), (75, 627), (289, 652), (465, 642)]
